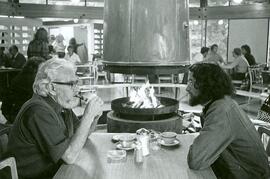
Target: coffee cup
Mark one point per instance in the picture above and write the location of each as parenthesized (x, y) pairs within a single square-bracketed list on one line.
[(168, 137), (126, 140)]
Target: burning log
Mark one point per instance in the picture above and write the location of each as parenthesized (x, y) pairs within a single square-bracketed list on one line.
[(142, 98)]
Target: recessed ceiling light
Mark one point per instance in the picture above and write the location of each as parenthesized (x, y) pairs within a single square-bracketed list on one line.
[(237, 1)]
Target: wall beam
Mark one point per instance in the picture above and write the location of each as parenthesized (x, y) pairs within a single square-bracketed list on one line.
[(62, 11)]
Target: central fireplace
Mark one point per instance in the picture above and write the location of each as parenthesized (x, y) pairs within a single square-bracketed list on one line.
[(129, 115), (146, 37)]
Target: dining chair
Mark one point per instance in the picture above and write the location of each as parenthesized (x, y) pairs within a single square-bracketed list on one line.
[(10, 162), (85, 73), (165, 78), (139, 78), (99, 71), (255, 77)]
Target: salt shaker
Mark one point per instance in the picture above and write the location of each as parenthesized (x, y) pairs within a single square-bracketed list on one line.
[(138, 156), (144, 138)]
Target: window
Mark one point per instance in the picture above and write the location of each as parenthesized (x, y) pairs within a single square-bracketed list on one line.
[(245, 2), (218, 3), (33, 1), (194, 3), (268, 57), (197, 39), (98, 38), (217, 33), (67, 2)]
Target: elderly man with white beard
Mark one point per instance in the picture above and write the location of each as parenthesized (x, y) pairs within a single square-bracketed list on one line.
[(46, 133)]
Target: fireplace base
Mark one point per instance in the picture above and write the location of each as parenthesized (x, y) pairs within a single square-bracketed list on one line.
[(118, 125)]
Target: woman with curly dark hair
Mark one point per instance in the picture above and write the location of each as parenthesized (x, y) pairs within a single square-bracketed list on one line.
[(39, 46), (228, 141), (247, 53)]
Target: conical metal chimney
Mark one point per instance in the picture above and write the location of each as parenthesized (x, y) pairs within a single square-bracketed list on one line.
[(146, 36)]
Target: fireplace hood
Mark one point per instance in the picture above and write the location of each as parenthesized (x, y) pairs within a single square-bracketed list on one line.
[(146, 36)]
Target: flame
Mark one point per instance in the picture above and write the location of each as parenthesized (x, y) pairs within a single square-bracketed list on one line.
[(144, 97)]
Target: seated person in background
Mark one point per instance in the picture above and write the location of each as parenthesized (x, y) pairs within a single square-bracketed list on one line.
[(213, 56), (247, 53), (239, 65), (80, 49), (52, 51), (228, 141), (3, 57), (60, 53), (20, 89), (71, 56), (46, 132), (17, 59), (204, 52)]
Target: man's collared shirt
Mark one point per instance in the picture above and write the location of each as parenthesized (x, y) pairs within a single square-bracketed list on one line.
[(40, 136), (230, 142)]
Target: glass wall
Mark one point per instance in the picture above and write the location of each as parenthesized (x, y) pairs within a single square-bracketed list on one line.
[(194, 3), (245, 2), (68, 2), (197, 39), (268, 56), (217, 33), (33, 1), (218, 3)]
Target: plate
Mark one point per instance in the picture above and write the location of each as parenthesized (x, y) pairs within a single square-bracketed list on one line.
[(175, 142), (119, 146)]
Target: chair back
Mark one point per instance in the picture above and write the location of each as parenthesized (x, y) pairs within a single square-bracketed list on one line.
[(10, 162), (7, 162), (255, 76)]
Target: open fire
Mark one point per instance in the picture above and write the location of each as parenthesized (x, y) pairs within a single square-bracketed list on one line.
[(143, 97)]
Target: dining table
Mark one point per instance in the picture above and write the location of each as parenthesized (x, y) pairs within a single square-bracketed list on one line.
[(7, 72), (166, 162)]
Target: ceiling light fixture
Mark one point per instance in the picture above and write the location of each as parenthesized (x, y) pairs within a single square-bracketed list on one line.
[(196, 22), (220, 22), (237, 1)]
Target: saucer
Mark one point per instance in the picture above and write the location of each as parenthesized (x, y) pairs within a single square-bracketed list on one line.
[(175, 142), (117, 137), (119, 146)]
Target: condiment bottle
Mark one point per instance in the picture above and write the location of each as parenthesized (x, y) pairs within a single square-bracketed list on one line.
[(144, 138), (138, 155)]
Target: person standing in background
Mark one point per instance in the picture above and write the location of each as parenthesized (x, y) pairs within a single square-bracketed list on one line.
[(3, 57), (39, 46), (247, 53), (214, 57), (79, 49)]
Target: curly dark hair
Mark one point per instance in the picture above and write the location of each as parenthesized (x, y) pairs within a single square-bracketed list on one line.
[(247, 48), (212, 81), (41, 35)]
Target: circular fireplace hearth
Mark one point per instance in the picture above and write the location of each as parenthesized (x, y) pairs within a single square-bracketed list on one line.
[(118, 125)]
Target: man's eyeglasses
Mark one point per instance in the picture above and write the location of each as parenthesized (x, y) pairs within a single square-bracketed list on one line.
[(71, 83)]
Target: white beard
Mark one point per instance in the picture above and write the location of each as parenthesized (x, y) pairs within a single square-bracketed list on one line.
[(67, 104)]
